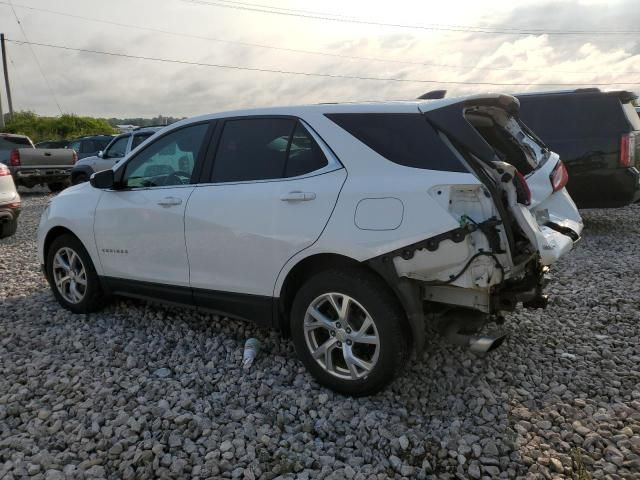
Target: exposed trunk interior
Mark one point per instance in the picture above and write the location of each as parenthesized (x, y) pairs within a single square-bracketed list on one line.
[(490, 123)]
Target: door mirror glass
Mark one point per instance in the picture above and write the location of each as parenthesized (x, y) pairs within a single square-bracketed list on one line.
[(103, 179)]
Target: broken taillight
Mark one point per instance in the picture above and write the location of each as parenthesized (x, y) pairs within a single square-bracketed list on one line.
[(522, 189), (627, 150), (14, 158), (559, 176)]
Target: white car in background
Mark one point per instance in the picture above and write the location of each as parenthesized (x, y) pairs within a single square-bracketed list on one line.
[(116, 150), (9, 203), (343, 224)]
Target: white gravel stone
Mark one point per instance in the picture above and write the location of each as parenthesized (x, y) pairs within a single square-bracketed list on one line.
[(147, 391)]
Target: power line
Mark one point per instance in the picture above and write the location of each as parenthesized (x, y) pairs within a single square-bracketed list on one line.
[(309, 74), (297, 50), (35, 57), (261, 8)]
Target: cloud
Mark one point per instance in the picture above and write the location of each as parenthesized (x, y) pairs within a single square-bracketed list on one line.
[(111, 86)]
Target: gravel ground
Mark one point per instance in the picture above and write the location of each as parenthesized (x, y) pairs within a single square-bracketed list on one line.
[(145, 391)]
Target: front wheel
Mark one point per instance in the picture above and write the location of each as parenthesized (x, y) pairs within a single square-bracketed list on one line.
[(72, 276), (349, 331), (80, 178)]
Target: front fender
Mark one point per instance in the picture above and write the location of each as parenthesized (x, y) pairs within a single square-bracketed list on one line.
[(72, 210)]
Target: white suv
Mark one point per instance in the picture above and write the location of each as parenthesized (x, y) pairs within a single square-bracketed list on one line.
[(341, 224)]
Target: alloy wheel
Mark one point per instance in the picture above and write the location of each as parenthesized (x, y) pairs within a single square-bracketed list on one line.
[(341, 336), (69, 275)]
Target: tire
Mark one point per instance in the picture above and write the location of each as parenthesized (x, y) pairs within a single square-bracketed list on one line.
[(368, 297), (88, 298), (8, 228), (57, 186), (80, 178)]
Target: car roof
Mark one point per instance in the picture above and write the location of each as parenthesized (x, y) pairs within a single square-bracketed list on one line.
[(624, 95), (410, 106), (87, 137), (153, 128)]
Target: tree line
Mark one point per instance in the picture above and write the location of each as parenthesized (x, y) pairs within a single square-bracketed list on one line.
[(69, 126), (64, 127)]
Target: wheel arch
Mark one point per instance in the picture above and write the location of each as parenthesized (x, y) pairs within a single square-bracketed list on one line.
[(319, 262), (51, 235), (78, 169)]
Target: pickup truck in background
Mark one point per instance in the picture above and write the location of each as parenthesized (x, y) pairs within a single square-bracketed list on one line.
[(117, 149), (30, 166)]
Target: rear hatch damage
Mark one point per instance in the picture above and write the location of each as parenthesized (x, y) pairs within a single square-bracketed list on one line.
[(518, 221)]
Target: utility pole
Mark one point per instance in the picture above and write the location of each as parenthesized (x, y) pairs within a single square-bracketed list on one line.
[(6, 75), (1, 114)]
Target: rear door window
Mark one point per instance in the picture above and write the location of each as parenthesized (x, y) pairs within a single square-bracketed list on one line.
[(405, 139), (264, 149), (305, 155), (138, 139), (252, 149)]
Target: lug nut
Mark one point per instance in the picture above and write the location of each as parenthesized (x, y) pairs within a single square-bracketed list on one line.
[(339, 344), (348, 330), (349, 342), (338, 325)]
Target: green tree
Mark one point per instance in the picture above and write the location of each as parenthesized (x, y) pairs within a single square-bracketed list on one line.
[(64, 127)]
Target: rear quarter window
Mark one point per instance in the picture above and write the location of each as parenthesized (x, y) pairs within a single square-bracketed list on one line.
[(403, 138)]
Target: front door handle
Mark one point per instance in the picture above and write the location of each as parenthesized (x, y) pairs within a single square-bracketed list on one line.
[(298, 196), (167, 202)]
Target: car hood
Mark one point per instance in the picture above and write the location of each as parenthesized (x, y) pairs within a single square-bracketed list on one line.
[(87, 160)]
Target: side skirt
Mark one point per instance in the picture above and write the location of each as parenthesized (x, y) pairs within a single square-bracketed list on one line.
[(254, 308)]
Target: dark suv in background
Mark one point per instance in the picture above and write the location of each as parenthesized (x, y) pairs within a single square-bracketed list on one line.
[(596, 135), (90, 145)]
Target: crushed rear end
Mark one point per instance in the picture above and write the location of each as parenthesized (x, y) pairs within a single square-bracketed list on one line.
[(512, 226)]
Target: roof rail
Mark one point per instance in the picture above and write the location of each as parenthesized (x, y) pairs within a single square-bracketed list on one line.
[(433, 95), (149, 126)]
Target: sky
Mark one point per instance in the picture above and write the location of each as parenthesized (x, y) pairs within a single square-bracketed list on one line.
[(217, 32)]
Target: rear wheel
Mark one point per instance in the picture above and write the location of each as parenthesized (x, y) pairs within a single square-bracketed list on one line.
[(8, 228), (72, 276), (56, 186), (349, 331)]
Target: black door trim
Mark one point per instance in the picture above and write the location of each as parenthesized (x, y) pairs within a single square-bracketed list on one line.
[(254, 308)]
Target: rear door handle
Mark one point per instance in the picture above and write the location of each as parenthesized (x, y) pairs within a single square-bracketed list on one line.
[(167, 202), (298, 196)]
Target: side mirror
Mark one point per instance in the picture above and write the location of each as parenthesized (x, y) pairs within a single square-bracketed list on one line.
[(100, 153), (103, 179)]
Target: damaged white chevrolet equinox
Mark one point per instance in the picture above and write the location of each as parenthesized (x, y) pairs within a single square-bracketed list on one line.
[(348, 226)]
